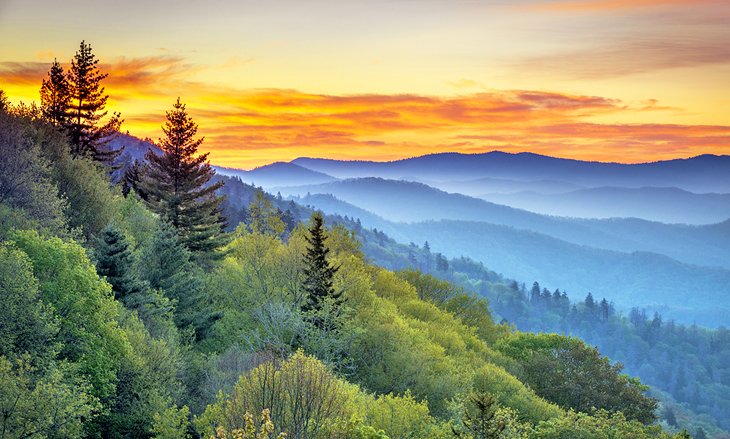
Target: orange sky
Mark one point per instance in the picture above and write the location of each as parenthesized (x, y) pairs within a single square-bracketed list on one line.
[(609, 80)]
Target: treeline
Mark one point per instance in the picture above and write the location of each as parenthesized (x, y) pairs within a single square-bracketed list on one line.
[(129, 312)]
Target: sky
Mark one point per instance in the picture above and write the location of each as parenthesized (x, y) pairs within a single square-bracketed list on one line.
[(608, 80)]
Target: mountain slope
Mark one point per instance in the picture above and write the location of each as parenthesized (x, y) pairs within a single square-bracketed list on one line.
[(277, 174), (668, 205), (402, 201)]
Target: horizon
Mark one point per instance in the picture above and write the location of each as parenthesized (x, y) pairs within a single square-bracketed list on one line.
[(598, 80), (462, 153)]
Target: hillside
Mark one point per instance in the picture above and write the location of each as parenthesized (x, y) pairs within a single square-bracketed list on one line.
[(403, 201), (667, 205), (121, 328)]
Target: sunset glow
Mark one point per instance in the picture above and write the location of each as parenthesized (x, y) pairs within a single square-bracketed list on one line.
[(603, 80)]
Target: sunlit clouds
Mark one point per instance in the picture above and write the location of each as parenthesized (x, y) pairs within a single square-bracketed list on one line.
[(612, 80)]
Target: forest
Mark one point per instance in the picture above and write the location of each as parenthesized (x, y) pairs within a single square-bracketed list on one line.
[(139, 303)]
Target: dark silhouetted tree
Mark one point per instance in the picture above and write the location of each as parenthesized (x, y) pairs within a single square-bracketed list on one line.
[(132, 179), (55, 96), (318, 272), (176, 185), (87, 136)]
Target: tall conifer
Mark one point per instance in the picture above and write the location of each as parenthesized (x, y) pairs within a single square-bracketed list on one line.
[(55, 96), (176, 185), (318, 282), (88, 137), (115, 262)]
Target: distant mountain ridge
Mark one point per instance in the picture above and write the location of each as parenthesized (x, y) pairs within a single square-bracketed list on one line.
[(667, 205), (703, 174), (277, 174)]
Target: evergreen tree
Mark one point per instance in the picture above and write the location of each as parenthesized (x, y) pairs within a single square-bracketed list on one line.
[(318, 272), (535, 293), (480, 418), (115, 262), (86, 109), (176, 185), (132, 179), (55, 96), (590, 302), (166, 264)]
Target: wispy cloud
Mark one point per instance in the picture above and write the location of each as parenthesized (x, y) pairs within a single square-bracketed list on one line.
[(613, 5), (249, 127)]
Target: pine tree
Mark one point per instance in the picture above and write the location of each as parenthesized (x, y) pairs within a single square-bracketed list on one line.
[(55, 96), (318, 282), (86, 109), (590, 302), (176, 185), (132, 179), (115, 262), (480, 418), (166, 264)]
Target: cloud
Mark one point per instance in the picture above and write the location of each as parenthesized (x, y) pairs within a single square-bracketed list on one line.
[(251, 127), (634, 54), (613, 5)]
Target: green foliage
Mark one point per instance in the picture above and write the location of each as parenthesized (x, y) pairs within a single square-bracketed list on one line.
[(174, 185), (49, 405), (262, 217), (166, 264), (92, 203), (430, 288), (510, 392), (114, 262), (249, 431), (27, 325), (599, 425), (89, 332), (172, 423), (26, 177), (304, 397), (483, 418), (566, 371), (147, 381)]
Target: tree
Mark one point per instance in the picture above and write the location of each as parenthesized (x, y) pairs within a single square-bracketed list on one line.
[(88, 137), (318, 272), (176, 185), (115, 262), (26, 177), (132, 178), (27, 325), (51, 405), (262, 217), (166, 264), (302, 395), (480, 418), (55, 96), (590, 302), (566, 371)]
